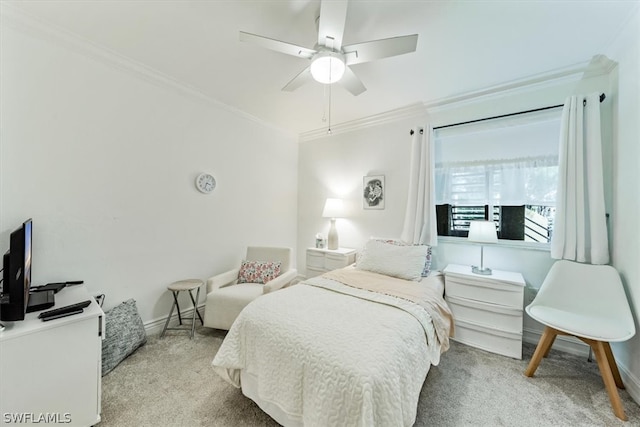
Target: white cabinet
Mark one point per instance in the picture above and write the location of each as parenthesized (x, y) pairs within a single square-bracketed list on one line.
[(52, 371), (487, 309), (322, 260)]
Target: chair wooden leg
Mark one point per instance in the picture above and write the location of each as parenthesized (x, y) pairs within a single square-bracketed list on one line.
[(606, 370), (546, 353), (546, 340), (613, 365)]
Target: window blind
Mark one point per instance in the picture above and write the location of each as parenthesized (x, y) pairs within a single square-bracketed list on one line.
[(508, 161)]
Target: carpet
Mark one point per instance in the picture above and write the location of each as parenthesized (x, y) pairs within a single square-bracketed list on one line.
[(170, 382)]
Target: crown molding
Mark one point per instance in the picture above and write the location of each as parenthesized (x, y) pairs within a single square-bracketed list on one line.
[(19, 20), (597, 66), (412, 110), (566, 75), (16, 18)]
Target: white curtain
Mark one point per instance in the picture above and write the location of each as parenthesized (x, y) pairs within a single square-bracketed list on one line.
[(420, 218), (580, 230), (505, 161), (499, 182)]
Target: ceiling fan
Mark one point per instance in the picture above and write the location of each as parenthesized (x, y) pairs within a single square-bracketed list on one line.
[(330, 60)]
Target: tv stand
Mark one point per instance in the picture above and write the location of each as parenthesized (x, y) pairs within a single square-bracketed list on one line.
[(39, 301), (54, 367)]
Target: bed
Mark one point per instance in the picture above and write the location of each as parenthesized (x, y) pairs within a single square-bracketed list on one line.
[(351, 347)]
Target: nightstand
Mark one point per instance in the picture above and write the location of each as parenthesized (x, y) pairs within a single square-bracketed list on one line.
[(487, 309), (322, 260)]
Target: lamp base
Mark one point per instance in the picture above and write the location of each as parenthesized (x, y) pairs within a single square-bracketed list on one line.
[(332, 241), (479, 270)]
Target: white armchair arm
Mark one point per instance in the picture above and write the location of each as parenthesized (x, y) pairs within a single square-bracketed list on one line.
[(223, 279), (280, 281)]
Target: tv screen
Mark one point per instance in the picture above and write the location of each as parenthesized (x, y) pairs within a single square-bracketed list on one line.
[(26, 266), (17, 274)]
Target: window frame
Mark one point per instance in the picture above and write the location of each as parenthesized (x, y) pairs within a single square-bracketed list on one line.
[(461, 236)]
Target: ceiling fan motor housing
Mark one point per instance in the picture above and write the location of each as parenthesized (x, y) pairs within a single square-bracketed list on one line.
[(331, 61)]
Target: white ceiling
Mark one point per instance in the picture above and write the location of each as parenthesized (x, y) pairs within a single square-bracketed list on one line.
[(463, 46)]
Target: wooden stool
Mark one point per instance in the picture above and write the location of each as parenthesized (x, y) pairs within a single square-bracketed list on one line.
[(175, 288)]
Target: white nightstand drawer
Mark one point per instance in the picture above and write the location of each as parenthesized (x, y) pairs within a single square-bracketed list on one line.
[(335, 262), (486, 290), (494, 316), (322, 260), (315, 260), (487, 309), (493, 340)]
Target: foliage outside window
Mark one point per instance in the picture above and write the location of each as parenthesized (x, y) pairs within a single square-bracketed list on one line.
[(505, 170)]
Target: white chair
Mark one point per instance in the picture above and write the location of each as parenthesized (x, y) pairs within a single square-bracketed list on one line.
[(588, 302), (226, 297)]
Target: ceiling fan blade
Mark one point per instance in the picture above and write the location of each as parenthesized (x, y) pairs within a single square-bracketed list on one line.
[(302, 78), (378, 49), (333, 15), (351, 82), (277, 45)]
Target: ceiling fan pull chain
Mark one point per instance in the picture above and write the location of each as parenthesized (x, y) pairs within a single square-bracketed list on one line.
[(324, 104), (329, 129)]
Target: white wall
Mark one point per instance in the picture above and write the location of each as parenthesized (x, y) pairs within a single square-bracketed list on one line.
[(104, 159), (626, 200), (334, 165)]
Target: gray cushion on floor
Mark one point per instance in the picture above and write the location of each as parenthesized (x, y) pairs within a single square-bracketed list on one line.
[(124, 333)]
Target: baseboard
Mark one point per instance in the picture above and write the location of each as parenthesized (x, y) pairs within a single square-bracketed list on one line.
[(567, 344), (155, 326), (631, 383)]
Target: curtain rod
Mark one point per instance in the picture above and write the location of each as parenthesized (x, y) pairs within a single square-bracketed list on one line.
[(602, 98)]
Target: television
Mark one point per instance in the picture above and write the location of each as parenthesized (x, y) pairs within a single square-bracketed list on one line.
[(16, 282)]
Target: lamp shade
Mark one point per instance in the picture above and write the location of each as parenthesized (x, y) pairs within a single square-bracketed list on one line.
[(483, 232), (327, 67), (333, 208)]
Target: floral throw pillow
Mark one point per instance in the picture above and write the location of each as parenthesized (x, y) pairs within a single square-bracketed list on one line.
[(427, 265), (258, 271)]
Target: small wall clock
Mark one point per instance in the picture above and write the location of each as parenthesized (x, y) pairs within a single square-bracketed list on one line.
[(205, 183)]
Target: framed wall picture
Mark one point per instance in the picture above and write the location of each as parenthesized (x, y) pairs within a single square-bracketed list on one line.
[(373, 192)]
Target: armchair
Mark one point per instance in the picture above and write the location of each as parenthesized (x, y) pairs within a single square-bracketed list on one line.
[(226, 297)]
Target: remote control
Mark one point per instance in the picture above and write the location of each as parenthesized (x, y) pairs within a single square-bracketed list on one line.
[(69, 283), (65, 314), (55, 287), (74, 282), (64, 310)]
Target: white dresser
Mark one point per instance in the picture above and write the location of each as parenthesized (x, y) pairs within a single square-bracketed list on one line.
[(52, 371), (487, 309), (322, 260)]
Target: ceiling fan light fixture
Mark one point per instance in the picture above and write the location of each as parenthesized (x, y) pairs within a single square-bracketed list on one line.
[(327, 67)]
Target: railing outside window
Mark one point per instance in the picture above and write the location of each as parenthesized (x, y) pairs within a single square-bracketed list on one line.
[(530, 223)]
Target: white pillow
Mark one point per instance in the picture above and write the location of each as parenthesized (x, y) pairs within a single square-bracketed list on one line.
[(403, 262)]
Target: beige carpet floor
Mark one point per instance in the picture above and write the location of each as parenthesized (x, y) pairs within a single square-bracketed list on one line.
[(170, 382)]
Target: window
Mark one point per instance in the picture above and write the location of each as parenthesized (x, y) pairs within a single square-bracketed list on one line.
[(503, 169)]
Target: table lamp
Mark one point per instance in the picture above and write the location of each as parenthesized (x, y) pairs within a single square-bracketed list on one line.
[(333, 208), (482, 232)]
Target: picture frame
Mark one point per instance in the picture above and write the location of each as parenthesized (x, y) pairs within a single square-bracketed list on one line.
[(373, 192)]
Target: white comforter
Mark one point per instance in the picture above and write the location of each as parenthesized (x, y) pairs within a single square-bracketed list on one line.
[(327, 354)]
